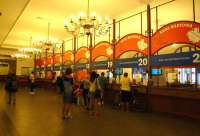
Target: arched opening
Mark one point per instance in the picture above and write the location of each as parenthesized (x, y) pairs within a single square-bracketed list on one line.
[(177, 75), (101, 58), (131, 54), (177, 48), (83, 60)]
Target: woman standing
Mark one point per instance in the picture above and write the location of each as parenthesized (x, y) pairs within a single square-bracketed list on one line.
[(67, 94), (92, 91)]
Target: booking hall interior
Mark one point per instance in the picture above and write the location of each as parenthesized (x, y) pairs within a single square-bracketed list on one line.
[(157, 42)]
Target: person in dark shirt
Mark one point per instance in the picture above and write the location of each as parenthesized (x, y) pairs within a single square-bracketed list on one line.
[(102, 82), (67, 94), (11, 88), (60, 83)]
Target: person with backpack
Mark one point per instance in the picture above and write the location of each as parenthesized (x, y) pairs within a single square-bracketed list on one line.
[(11, 87)]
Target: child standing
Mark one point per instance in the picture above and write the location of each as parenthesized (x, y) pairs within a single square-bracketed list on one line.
[(79, 95)]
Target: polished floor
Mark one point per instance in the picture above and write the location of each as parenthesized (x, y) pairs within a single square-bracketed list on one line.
[(40, 115)]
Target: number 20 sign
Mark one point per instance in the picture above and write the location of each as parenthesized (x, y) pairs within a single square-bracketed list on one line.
[(142, 61), (196, 58)]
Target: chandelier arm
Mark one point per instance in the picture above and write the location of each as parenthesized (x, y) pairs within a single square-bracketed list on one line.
[(48, 32), (88, 9), (89, 24)]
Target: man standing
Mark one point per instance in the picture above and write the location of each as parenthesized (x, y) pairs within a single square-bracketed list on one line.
[(11, 88), (102, 81)]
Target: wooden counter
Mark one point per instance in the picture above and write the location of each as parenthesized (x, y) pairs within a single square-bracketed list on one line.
[(178, 101)]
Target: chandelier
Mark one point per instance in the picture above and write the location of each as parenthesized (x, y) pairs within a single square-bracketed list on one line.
[(20, 55), (86, 24), (30, 49), (43, 42)]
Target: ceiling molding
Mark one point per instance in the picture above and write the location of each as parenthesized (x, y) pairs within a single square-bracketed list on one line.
[(14, 21), (7, 48), (11, 46)]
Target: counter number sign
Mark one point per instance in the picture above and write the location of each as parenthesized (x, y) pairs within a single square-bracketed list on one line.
[(196, 58), (142, 61)]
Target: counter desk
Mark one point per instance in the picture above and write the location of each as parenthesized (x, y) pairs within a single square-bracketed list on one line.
[(178, 101)]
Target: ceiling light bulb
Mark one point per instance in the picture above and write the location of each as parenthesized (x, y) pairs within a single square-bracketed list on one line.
[(81, 15), (93, 15)]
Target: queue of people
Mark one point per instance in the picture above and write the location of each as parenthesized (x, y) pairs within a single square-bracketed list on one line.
[(88, 93)]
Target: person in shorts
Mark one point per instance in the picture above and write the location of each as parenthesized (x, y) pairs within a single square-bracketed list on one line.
[(125, 91)]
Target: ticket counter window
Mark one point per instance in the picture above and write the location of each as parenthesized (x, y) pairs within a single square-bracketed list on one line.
[(198, 80), (140, 76), (118, 73), (172, 78), (42, 74), (186, 75)]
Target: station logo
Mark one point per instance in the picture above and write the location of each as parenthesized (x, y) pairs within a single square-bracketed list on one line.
[(194, 35), (141, 45), (109, 51), (87, 54)]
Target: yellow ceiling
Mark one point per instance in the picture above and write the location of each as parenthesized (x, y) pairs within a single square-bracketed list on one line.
[(10, 12), (33, 22)]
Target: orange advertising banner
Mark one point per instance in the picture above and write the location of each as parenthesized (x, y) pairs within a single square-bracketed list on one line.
[(82, 53), (68, 56), (49, 60), (43, 61), (38, 62), (131, 42), (57, 59), (177, 32), (102, 49)]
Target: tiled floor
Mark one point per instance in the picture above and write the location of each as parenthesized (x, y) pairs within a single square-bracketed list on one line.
[(40, 115)]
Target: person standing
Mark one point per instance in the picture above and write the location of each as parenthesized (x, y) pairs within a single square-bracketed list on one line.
[(60, 83), (86, 85), (67, 94), (32, 82), (11, 87), (125, 91), (102, 83), (92, 91)]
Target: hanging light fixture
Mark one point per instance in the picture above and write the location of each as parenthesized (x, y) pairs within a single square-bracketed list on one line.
[(20, 55), (30, 49), (86, 24), (43, 42)]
